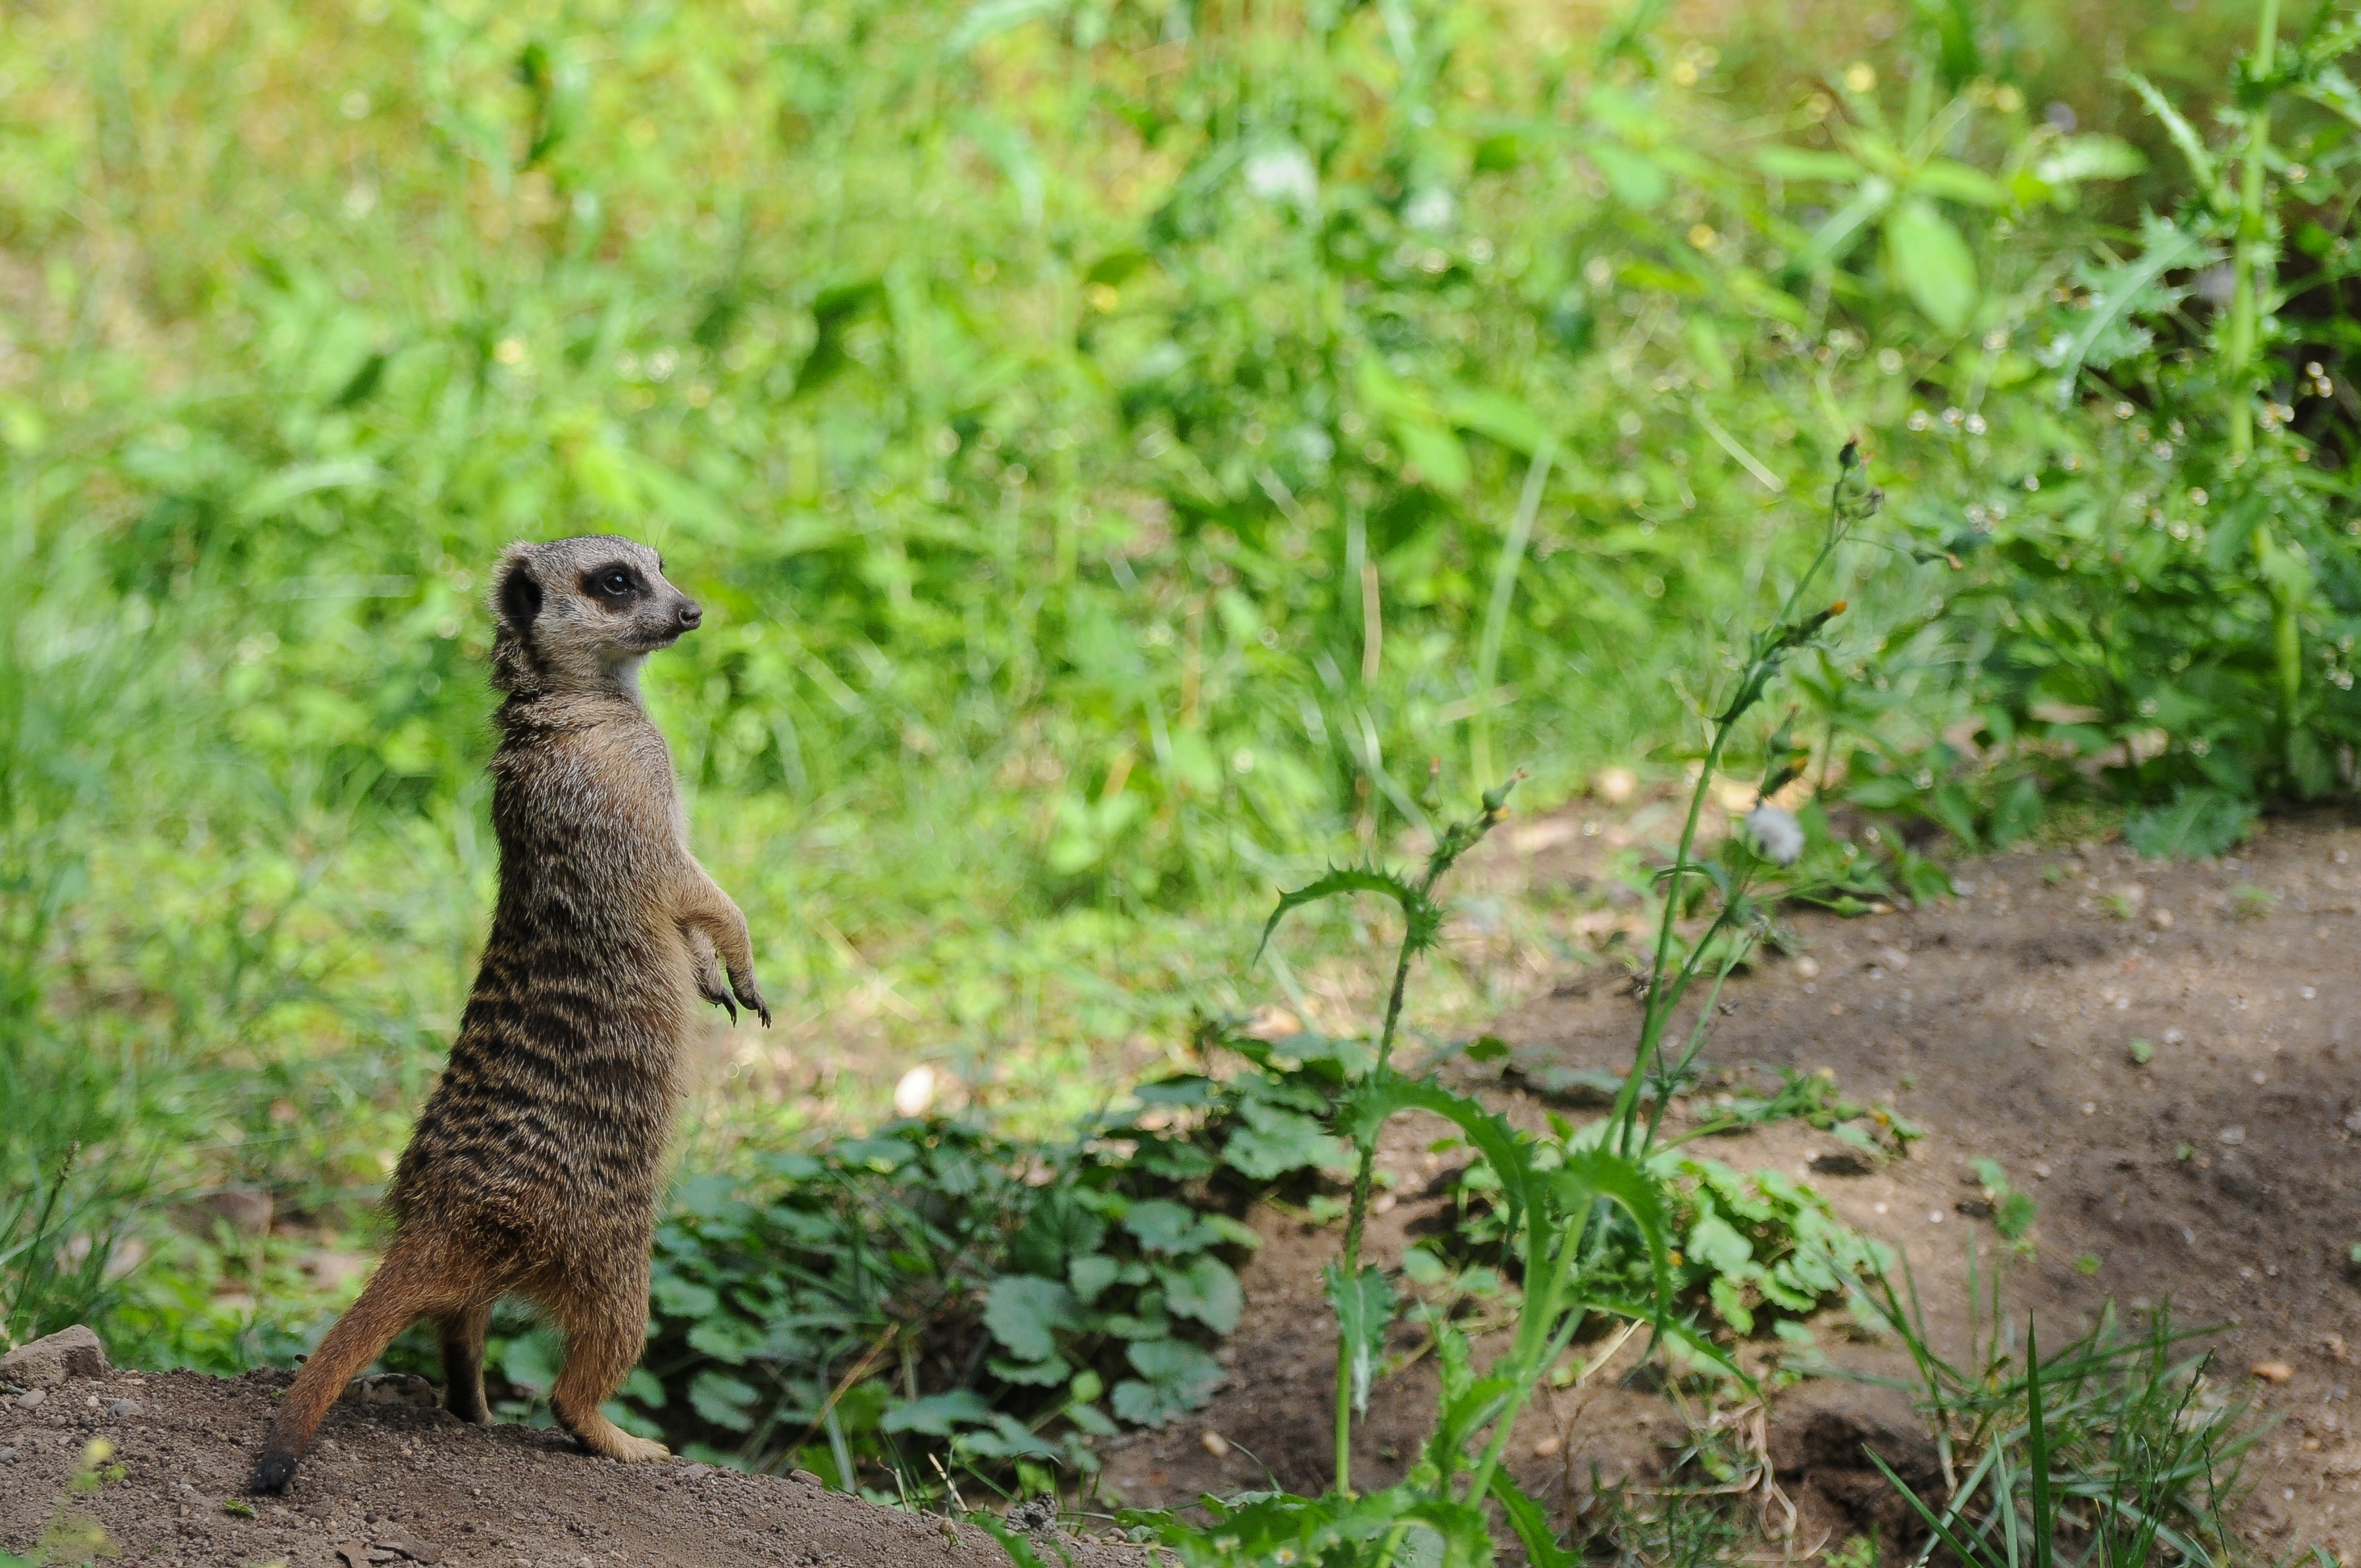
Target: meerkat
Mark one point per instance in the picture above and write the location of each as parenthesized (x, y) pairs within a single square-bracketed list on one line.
[(535, 1166)]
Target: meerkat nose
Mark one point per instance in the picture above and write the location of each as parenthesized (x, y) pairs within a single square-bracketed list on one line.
[(690, 615)]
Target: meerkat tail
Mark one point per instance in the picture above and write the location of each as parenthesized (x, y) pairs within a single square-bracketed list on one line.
[(407, 1286)]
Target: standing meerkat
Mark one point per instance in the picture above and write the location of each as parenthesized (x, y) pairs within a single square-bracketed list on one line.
[(534, 1169)]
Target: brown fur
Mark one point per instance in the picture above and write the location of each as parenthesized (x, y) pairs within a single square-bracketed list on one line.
[(535, 1166)]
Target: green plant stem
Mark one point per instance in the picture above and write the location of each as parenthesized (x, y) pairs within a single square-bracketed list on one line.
[(2252, 259), (1769, 650), (1651, 1023), (2245, 306), (1504, 593), (1365, 1169)]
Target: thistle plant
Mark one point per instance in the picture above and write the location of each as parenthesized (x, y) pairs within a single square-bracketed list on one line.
[(1776, 838)]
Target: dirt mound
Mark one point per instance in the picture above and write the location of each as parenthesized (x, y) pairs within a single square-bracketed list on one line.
[(394, 1483), (2167, 1058)]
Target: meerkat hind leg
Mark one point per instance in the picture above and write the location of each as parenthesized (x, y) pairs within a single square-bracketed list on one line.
[(463, 1363), (606, 1330)]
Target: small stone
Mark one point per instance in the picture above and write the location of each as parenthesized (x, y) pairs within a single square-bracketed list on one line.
[(7, 1456), (125, 1407), (1033, 1514), (32, 1397), (53, 1358), (2272, 1370), (693, 1471), (804, 1477), (1892, 958), (2232, 1136), (391, 1389), (1548, 1446), (1807, 966)]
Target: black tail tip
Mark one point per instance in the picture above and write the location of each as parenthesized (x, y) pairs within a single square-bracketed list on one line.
[(272, 1472)]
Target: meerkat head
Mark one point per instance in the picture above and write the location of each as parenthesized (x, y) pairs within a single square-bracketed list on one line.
[(580, 614)]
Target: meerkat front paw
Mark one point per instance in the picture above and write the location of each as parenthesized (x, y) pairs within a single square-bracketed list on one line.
[(749, 996), (707, 964)]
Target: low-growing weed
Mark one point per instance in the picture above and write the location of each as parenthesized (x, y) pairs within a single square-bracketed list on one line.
[(2115, 1451), (1589, 1224), (72, 1539)]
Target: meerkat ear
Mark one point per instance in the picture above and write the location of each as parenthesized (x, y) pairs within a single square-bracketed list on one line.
[(519, 594)]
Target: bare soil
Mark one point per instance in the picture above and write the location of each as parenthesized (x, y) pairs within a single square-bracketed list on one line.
[(394, 1484), (2218, 1177)]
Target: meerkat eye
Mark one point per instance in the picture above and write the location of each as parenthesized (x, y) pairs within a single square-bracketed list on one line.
[(615, 583)]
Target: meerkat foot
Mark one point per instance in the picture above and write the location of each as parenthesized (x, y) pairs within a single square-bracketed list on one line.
[(604, 1437)]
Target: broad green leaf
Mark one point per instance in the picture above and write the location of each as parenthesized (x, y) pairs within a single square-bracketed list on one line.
[(939, 1415), (2197, 825), (1953, 181), (1175, 1377), (1032, 1374), (532, 1359), (1274, 1142), (1365, 1309), (1435, 452), (1713, 1242), (1026, 1313), (1205, 1289), (1090, 1275), (1799, 163), (678, 1297), (1932, 263), (724, 1401), (1637, 181), (2077, 158), (280, 490), (1060, 1227), (1502, 418), (1005, 1437), (1163, 1225)]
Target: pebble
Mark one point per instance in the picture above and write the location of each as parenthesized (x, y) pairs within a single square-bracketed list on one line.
[(2232, 1136), (1547, 1447), (32, 1397), (805, 1477), (2272, 1370), (1215, 1443), (127, 1407), (7, 1456)]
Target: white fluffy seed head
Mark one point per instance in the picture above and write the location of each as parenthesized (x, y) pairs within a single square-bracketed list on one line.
[(1778, 837)]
